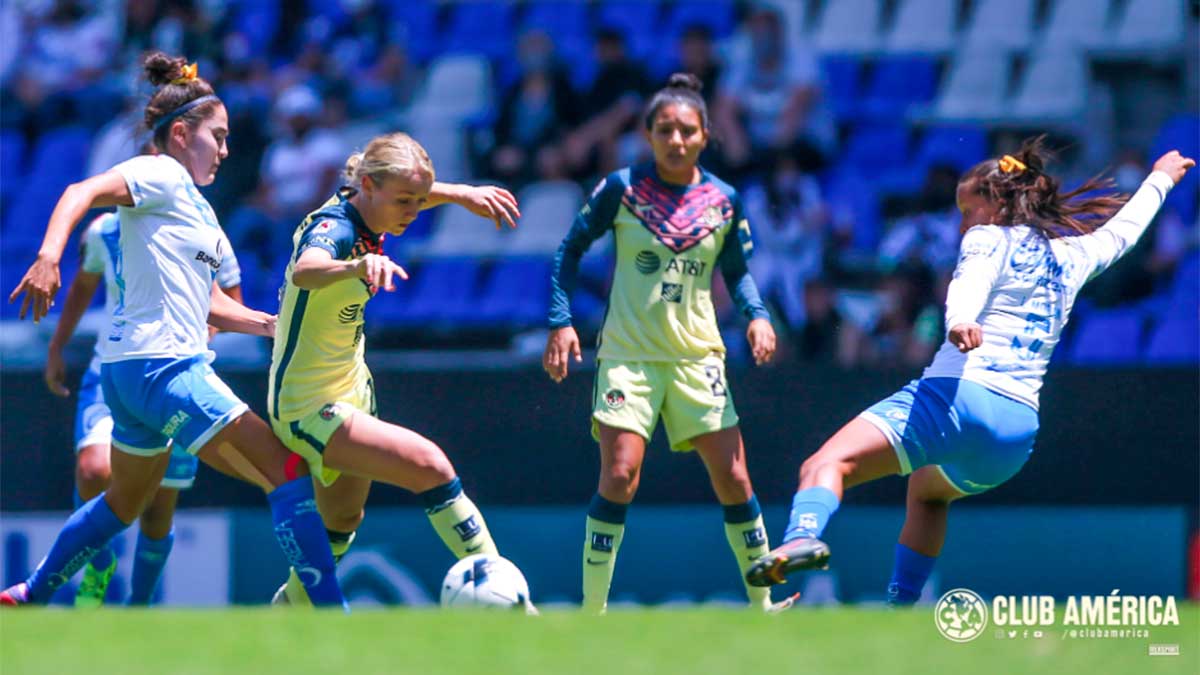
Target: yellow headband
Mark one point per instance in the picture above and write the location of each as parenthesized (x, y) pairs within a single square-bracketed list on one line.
[(188, 73), (1010, 164)]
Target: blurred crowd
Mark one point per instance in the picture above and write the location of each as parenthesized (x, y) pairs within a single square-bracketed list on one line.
[(855, 240)]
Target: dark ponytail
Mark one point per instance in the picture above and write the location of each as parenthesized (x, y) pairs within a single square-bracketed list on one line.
[(682, 88), (178, 85), (1024, 194)]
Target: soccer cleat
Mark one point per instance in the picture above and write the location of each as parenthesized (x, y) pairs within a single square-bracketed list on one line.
[(15, 595), (783, 605), (805, 553), (292, 592), (94, 585)]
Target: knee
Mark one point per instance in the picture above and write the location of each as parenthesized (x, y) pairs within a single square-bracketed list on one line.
[(92, 471), (736, 481), (156, 521), (433, 467), (620, 481), (342, 518), (821, 464)]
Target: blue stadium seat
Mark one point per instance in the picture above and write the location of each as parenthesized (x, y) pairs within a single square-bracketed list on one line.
[(958, 146), (637, 20), (517, 293), (842, 75), (414, 23), (1108, 337), (562, 20), (1185, 284), (719, 16), (1179, 133), (58, 160), (440, 291), (875, 149), (258, 20), (897, 83), (12, 161), (483, 28), (1176, 340), (854, 200)]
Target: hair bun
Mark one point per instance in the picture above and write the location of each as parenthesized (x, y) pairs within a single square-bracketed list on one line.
[(685, 81), (161, 69)]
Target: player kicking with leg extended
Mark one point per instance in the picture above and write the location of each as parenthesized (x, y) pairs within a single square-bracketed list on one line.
[(969, 423)]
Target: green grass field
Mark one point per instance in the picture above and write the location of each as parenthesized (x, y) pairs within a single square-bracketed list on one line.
[(262, 641)]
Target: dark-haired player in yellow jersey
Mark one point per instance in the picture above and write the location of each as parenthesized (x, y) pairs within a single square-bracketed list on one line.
[(661, 353)]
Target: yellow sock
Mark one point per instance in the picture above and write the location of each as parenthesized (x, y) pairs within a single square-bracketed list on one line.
[(599, 559), (748, 538), (461, 526)]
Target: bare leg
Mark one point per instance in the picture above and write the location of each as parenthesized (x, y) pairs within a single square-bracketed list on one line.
[(157, 518), (724, 457), (373, 449), (92, 470), (621, 455), (858, 453), (927, 511)]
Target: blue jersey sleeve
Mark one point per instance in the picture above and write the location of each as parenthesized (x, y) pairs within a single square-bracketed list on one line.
[(739, 245), (594, 219), (335, 236)]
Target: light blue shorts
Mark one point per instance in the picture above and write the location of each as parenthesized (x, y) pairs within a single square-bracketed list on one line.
[(977, 437), (156, 400), (94, 426)]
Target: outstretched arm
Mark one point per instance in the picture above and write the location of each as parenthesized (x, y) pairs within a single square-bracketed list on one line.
[(42, 281), (486, 201)]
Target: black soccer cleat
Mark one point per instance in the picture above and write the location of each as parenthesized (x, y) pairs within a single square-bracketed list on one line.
[(805, 553)]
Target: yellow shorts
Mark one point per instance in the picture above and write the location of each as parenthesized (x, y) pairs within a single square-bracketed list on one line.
[(308, 435), (691, 396)]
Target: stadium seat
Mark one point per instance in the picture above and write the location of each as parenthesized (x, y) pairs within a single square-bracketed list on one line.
[(975, 87), (1000, 24), (958, 146), (57, 161), (897, 84), (258, 20), (848, 26), (1108, 337), (1180, 133), (923, 26), (637, 20), (414, 23), (444, 141), (841, 74), (1083, 23), (12, 161), (1176, 340), (1151, 25), (877, 148), (484, 28), (1185, 284), (458, 87), (1055, 86), (855, 202), (547, 211), (717, 15), (516, 294), (458, 232), (441, 290)]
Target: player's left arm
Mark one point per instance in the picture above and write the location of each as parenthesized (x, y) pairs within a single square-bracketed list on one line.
[(738, 247), (486, 201), (980, 259), (225, 313)]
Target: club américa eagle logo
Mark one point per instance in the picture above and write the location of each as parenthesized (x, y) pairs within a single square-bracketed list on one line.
[(614, 398)]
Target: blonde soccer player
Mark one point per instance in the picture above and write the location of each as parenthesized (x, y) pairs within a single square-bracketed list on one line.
[(321, 394)]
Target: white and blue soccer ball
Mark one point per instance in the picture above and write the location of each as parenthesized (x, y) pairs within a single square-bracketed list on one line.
[(486, 580)]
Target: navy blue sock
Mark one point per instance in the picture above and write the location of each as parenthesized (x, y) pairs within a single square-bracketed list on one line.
[(148, 563), (811, 510), (301, 534), (104, 557), (86, 531), (909, 575), (438, 498), (605, 511)]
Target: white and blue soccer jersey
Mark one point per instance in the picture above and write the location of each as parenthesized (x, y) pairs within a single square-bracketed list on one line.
[(171, 249), (1019, 286)]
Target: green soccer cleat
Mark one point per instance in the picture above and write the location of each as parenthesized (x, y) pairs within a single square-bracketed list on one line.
[(94, 585), (805, 553)]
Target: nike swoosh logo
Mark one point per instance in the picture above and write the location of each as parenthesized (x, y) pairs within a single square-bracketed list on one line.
[(472, 549), (596, 562)]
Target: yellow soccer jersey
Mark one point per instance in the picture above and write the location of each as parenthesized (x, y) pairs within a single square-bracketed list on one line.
[(318, 352), (669, 239)]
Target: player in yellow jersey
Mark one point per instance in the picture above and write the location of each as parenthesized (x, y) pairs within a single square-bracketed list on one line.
[(661, 353), (321, 397)]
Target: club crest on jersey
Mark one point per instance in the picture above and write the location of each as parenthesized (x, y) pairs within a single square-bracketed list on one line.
[(329, 411), (678, 221), (614, 398), (323, 226)]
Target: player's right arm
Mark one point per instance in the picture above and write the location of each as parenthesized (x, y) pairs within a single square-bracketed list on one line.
[(79, 297), (980, 259), (42, 281), (592, 221), (316, 268)]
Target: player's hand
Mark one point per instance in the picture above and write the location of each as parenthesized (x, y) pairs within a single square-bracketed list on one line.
[(561, 345), (1174, 165), (55, 373), (491, 202), (761, 336), (966, 336), (378, 271), (269, 322), (40, 283)]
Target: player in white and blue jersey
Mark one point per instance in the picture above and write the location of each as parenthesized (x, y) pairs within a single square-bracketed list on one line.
[(99, 248), (969, 423), (155, 370)]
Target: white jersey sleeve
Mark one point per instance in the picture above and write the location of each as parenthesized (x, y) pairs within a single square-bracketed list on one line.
[(1106, 245), (981, 258), (150, 186)]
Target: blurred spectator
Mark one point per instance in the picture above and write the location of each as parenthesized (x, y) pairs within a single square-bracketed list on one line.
[(818, 339), (535, 113), (789, 221), (770, 96), (904, 328), (613, 104), (301, 165), (386, 87), (929, 236), (698, 57)]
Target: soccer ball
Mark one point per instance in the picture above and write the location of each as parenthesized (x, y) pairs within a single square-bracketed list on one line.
[(485, 580)]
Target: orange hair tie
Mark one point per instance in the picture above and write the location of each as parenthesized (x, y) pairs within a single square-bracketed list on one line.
[(1010, 164), (187, 74)]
